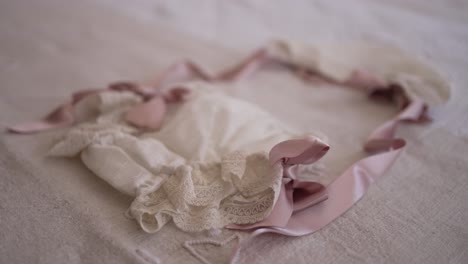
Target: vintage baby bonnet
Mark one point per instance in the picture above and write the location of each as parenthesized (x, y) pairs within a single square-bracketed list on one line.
[(192, 154)]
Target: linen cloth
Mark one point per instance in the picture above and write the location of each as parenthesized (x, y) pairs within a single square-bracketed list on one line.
[(55, 211)]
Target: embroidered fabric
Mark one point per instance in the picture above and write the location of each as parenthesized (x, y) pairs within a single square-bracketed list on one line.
[(211, 171)]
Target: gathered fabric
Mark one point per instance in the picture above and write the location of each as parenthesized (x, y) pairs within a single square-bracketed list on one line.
[(203, 169)]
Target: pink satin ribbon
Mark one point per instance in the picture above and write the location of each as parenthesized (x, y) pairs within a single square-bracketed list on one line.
[(305, 207), (147, 115), (302, 207)]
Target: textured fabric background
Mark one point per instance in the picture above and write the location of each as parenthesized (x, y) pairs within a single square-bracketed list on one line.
[(56, 211)]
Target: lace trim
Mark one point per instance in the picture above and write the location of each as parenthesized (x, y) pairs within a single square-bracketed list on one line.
[(195, 205)]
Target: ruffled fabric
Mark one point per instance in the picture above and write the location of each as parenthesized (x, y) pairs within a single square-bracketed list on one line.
[(208, 167), (196, 198)]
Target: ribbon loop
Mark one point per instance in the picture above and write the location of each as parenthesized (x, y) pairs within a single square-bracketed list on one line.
[(298, 151)]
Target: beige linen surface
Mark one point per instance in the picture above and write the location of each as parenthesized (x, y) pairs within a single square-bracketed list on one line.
[(53, 210)]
